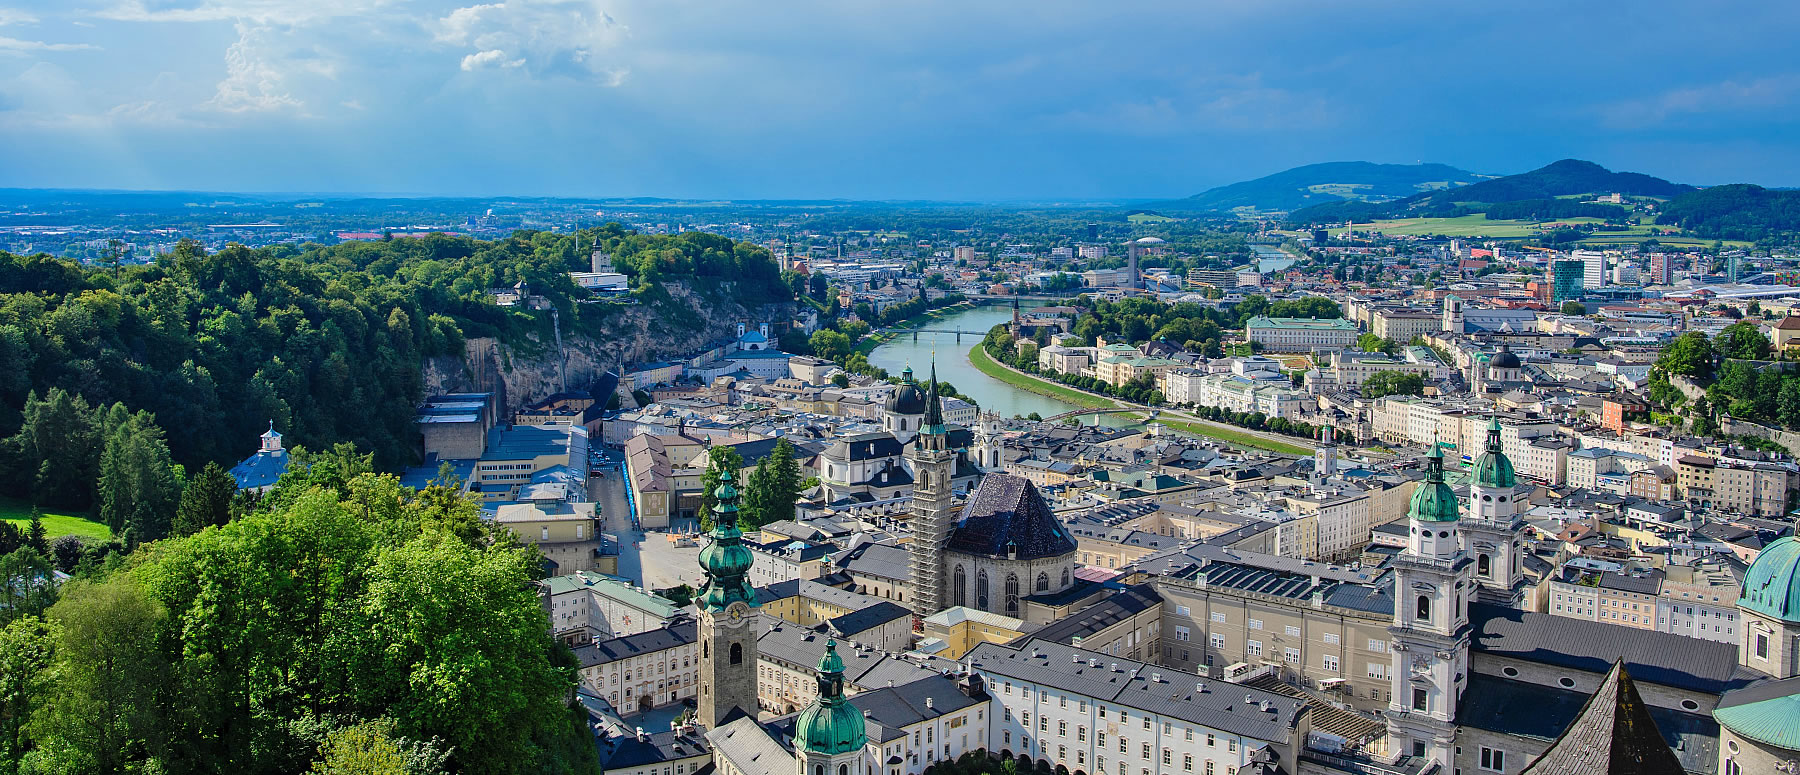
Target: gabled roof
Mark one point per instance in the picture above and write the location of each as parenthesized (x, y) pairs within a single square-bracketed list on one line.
[(1006, 514), (1613, 734)]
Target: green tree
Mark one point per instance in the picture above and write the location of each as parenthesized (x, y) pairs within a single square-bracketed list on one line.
[(1389, 383), (841, 379), (27, 584), (205, 502), (57, 449), (783, 483), (1689, 355), (1744, 341), (720, 458), (138, 484), (102, 710), (1573, 307), (27, 650), (374, 748), (829, 344)]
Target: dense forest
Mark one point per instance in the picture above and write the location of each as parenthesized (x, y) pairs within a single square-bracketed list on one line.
[(1735, 370), (1739, 211), (327, 342)]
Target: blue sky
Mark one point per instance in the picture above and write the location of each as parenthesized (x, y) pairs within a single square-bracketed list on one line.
[(846, 98)]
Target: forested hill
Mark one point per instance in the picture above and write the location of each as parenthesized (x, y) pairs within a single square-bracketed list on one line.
[(1738, 211), (1537, 194), (327, 342), (1329, 182)]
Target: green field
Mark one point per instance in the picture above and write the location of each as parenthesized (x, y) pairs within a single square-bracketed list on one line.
[(1148, 218), (1235, 437), (55, 524), (979, 357), (1476, 225)]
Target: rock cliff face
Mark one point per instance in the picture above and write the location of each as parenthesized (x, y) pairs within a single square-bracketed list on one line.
[(679, 328)]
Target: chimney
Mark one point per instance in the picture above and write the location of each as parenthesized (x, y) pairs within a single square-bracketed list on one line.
[(929, 704), (641, 736)]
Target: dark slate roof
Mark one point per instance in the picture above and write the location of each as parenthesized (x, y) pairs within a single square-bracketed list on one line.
[(1656, 657), (1101, 615), (884, 560), (664, 746), (1144, 687), (1007, 510), (856, 622), (894, 708), (1510, 707), (864, 446), (680, 633), (1614, 734)]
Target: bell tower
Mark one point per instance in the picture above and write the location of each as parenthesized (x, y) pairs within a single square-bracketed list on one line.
[(933, 464), (988, 444), (1430, 630), (1493, 528), (728, 615)]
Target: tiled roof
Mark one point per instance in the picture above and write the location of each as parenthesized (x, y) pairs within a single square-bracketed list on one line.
[(1005, 514)]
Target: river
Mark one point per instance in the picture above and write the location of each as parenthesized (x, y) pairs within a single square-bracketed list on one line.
[(953, 365)]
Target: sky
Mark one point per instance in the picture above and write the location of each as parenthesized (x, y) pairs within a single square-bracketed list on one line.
[(905, 99)]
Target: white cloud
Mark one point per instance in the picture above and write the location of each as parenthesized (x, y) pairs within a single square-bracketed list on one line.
[(14, 44), (1773, 92), (252, 83), (492, 57), (262, 12), (13, 16), (541, 37)]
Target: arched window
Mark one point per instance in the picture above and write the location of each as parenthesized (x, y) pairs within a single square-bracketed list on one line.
[(981, 590), (737, 653), (843, 769), (1065, 582), (818, 769), (1484, 565), (1424, 609), (959, 587), (706, 650), (1012, 594), (1043, 582)]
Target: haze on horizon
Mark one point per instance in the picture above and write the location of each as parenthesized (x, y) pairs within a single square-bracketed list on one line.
[(867, 100)]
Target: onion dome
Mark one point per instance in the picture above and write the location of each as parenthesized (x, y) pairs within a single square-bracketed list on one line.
[(1493, 469), (1432, 500), (907, 399), (830, 725), (726, 561), (1772, 584)]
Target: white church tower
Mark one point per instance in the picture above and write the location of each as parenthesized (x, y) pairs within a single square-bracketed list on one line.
[(1430, 631), (1494, 526), (989, 445)]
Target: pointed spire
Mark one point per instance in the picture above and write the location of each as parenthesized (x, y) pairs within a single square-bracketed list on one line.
[(1613, 733), (934, 410)]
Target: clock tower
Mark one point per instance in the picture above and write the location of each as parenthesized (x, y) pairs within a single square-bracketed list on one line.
[(728, 615)]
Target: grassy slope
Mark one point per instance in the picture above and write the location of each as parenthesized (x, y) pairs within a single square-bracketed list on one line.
[(986, 364), (55, 524)]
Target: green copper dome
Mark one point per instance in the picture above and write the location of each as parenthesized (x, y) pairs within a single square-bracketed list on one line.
[(830, 725), (1432, 500), (725, 560), (1772, 585), (1493, 469)]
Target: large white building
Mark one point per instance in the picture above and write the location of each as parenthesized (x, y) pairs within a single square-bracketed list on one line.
[(1299, 335)]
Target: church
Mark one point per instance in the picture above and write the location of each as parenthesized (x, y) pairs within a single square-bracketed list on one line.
[(875, 466)]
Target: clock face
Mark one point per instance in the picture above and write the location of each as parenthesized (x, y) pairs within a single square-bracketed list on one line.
[(735, 613)]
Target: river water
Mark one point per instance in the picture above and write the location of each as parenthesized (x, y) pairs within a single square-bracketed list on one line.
[(953, 366)]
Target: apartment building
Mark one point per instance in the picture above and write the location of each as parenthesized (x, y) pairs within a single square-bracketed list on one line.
[(1700, 601)]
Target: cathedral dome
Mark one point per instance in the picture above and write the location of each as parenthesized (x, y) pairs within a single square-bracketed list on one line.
[(830, 725), (1504, 359), (907, 399), (1432, 500), (1772, 584)]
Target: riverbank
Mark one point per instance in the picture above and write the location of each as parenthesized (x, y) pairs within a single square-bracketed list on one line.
[(869, 343), (1011, 376), (1170, 418)]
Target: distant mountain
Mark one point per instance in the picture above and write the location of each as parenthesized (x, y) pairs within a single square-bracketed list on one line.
[(1528, 195), (1563, 178), (1331, 182)]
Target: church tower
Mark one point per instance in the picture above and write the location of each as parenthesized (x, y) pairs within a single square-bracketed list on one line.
[(1430, 631), (989, 446), (1494, 525), (829, 734), (1325, 456), (933, 464), (728, 615)]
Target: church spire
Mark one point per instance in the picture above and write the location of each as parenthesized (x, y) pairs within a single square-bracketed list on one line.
[(830, 726), (934, 409), (726, 561)]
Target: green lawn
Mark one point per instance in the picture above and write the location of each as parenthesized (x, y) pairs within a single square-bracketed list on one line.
[(1148, 218), (1476, 225), (1235, 437), (55, 524), (979, 357)]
